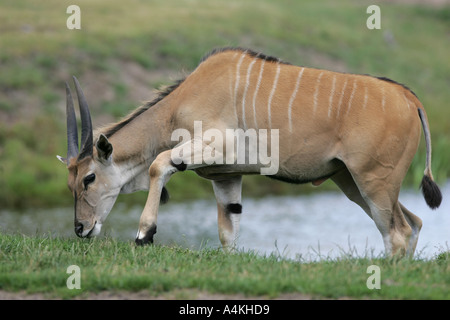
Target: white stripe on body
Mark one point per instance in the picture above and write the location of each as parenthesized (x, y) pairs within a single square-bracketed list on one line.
[(316, 92), (236, 85), (366, 96), (342, 97), (351, 97), (294, 94), (272, 92), (333, 88), (247, 83), (258, 84), (407, 101)]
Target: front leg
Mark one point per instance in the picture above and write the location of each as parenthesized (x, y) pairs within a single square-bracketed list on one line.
[(228, 191), (166, 163), (160, 171)]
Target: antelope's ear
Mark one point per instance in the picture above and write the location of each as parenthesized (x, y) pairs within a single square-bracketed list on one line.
[(63, 160), (104, 148)]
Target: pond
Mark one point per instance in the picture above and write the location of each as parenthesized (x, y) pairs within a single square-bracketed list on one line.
[(322, 225)]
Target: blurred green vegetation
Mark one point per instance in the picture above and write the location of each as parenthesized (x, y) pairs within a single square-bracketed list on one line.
[(124, 49)]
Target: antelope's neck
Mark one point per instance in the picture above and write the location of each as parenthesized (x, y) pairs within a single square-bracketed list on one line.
[(137, 144)]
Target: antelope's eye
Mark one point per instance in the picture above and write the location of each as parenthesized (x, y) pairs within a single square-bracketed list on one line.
[(88, 180)]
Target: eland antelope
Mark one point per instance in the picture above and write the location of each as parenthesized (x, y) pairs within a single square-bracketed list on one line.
[(357, 130)]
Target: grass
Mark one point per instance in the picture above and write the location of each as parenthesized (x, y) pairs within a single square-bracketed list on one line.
[(39, 264), (165, 37)]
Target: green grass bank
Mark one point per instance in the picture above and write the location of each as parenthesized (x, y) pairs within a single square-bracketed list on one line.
[(40, 265), (125, 49)]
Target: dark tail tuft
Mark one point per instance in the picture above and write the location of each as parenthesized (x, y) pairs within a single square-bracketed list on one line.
[(430, 189), (431, 192)]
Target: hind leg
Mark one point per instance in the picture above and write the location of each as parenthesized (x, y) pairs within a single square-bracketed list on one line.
[(378, 173), (344, 180), (381, 196), (389, 219), (416, 225)]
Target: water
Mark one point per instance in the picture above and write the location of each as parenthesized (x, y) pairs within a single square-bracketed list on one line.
[(303, 227)]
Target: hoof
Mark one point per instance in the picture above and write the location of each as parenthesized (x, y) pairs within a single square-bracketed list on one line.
[(142, 242), (147, 238)]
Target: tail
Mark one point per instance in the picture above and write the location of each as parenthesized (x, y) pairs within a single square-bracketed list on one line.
[(430, 189)]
